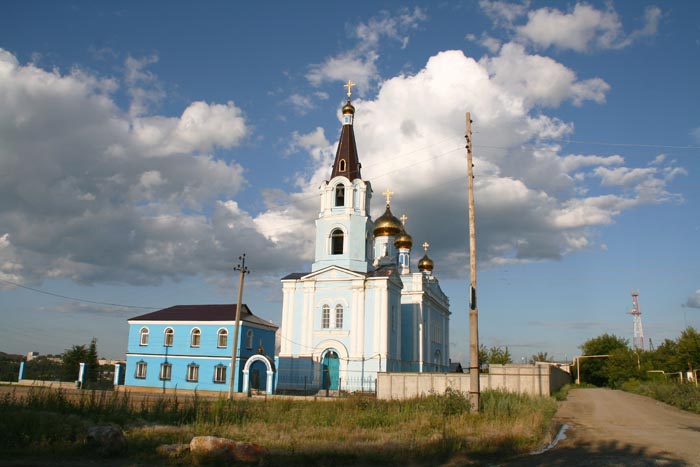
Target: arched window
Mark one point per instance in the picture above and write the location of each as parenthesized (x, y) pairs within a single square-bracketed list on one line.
[(249, 342), (326, 317), (341, 166), (222, 338), (337, 239), (339, 316), (169, 337), (195, 337), (340, 195), (143, 336)]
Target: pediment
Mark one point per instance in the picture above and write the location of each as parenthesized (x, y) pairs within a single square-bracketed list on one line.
[(334, 273)]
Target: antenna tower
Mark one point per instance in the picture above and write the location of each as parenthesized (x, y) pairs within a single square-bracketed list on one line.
[(638, 341)]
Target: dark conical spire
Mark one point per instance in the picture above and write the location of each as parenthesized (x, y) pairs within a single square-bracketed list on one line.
[(346, 161)]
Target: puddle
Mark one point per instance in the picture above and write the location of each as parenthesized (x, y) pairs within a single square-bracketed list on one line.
[(560, 437)]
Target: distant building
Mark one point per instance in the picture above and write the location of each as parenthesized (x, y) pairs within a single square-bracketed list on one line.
[(189, 347), (32, 355)]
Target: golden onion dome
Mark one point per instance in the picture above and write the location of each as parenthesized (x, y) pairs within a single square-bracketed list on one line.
[(425, 264), (387, 225), (348, 108), (403, 240)]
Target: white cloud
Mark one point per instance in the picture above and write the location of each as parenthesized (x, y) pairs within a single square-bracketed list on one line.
[(693, 300), (583, 29)]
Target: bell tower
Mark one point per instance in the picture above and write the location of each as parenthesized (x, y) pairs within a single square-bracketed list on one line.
[(343, 227)]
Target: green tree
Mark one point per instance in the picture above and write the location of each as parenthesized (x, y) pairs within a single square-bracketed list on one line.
[(71, 362), (541, 357), (93, 365), (595, 370), (688, 350)]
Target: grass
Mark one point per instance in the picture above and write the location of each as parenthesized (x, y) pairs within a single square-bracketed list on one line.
[(685, 396), (349, 431)]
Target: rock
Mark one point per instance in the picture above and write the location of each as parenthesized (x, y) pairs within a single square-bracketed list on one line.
[(226, 449), (107, 440), (172, 451)]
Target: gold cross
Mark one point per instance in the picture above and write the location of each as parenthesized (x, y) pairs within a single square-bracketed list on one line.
[(388, 194), (425, 246), (403, 219), (349, 85)]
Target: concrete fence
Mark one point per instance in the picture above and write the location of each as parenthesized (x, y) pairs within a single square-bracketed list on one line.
[(539, 380)]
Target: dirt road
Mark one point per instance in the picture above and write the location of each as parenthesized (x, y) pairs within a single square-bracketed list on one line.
[(616, 428)]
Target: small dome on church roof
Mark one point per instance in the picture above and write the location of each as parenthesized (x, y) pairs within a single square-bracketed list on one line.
[(387, 225), (348, 108), (403, 240), (425, 263)]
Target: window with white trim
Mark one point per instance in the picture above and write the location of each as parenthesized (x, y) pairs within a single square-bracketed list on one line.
[(249, 339), (192, 372), (220, 373), (326, 317), (222, 338), (141, 369), (169, 337), (339, 316), (195, 337), (337, 240), (166, 371), (340, 195), (143, 336)]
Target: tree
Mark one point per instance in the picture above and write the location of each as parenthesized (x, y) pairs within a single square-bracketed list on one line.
[(541, 357), (71, 362), (595, 370), (494, 356), (92, 363)]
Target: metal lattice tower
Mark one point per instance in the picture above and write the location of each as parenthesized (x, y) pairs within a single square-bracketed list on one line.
[(638, 341)]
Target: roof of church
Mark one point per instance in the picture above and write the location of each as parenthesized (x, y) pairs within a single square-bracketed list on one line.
[(347, 163), (221, 312), (382, 271)]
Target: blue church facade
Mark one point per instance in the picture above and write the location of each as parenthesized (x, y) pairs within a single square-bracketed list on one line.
[(361, 309), (189, 347)]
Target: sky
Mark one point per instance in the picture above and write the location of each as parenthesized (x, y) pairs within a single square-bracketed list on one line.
[(145, 146)]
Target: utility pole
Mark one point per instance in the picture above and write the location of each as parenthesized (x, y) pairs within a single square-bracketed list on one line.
[(243, 271), (474, 390)]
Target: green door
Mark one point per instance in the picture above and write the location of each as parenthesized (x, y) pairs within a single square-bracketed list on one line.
[(331, 370)]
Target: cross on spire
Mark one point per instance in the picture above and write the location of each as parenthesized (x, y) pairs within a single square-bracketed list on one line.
[(388, 195), (403, 219), (425, 246), (349, 85)]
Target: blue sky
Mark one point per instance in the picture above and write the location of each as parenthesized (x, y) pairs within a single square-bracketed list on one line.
[(144, 147)]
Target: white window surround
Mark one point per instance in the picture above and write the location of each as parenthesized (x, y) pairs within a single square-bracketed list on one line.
[(143, 336)]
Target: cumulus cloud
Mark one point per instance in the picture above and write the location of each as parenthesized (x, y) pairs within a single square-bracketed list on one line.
[(583, 28), (694, 300), (94, 193)]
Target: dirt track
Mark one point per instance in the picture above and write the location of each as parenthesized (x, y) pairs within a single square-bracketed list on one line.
[(615, 428)]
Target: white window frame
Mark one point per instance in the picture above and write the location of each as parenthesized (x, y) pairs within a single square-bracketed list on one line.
[(325, 317), (141, 369), (339, 316), (168, 337), (249, 340), (166, 371), (193, 372), (196, 332), (143, 336), (220, 374), (222, 338)]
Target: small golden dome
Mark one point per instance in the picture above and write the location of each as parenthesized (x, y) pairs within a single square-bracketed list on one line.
[(403, 240), (387, 225), (425, 264), (348, 108)]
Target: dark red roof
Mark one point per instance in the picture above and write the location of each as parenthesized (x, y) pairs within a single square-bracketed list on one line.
[(221, 312), (346, 155)]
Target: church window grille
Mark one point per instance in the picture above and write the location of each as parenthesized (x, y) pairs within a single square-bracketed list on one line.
[(326, 317), (341, 166), (195, 337), (337, 240), (192, 372), (169, 337), (166, 371), (222, 339), (141, 369), (339, 316), (143, 336), (220, 374), (249, 343), (340, 195)]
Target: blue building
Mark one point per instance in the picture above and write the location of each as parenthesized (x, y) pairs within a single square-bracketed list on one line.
[(361, 309), (189, 347)]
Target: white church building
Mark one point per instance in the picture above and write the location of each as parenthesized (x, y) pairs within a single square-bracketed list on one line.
[(362, 309)]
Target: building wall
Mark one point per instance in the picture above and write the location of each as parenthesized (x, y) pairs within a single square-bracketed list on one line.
[(526, 379), (181, 354)]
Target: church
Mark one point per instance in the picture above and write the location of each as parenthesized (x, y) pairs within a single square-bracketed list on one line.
[(362, 309)]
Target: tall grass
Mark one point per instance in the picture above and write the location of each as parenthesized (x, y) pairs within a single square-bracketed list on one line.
[(685, 396), (356, 429)]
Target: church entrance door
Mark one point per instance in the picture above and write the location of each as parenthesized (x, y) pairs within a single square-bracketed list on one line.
[(331, 370)]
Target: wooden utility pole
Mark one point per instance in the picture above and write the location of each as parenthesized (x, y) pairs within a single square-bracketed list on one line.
[(474, 390), (243, 271)]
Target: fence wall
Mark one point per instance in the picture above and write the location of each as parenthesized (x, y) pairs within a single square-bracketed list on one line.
[(540, 380)]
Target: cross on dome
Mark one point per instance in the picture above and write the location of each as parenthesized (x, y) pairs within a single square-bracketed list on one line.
[(403, 219), (349, 85), (425, 246), (388, 195)]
